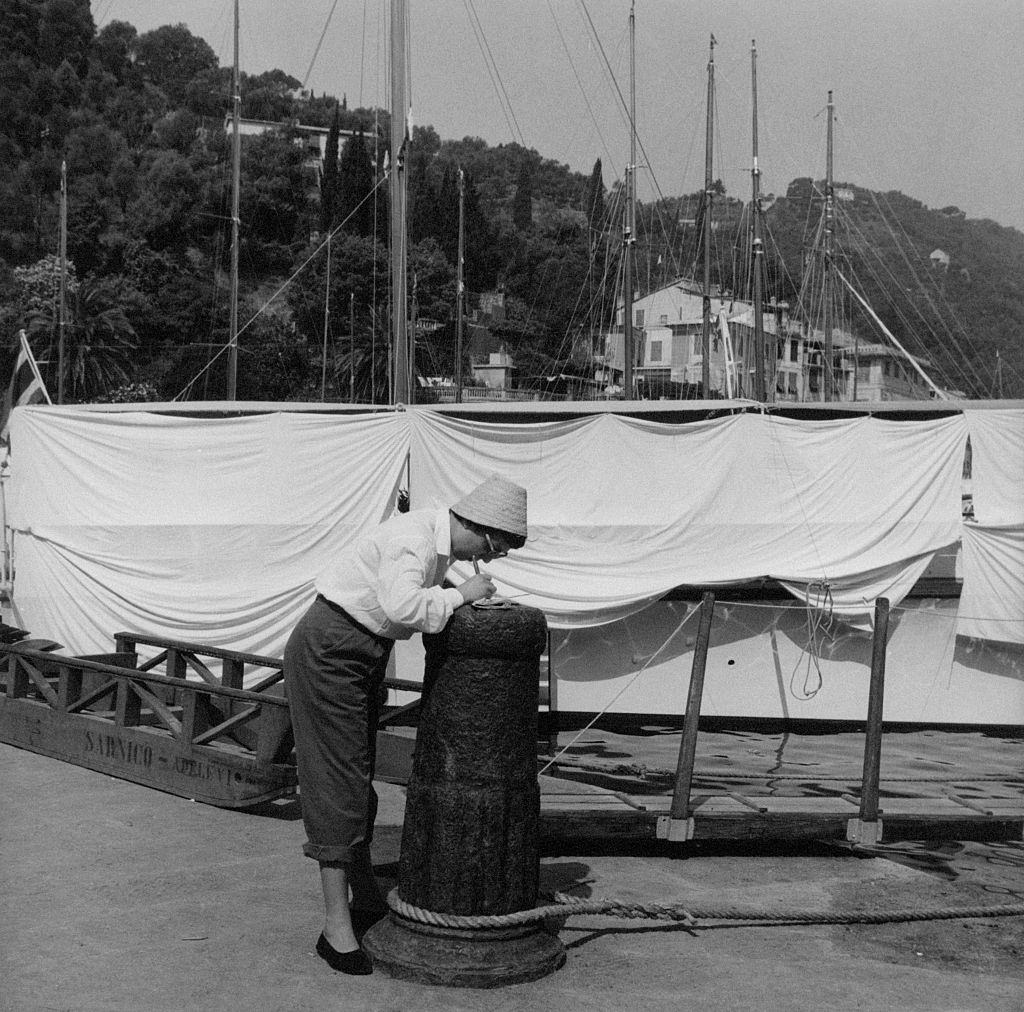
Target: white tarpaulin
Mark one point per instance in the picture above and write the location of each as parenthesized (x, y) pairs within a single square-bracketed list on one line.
[(209, 530), (997, 464), (992, 603), (212, 529), (622, 509)]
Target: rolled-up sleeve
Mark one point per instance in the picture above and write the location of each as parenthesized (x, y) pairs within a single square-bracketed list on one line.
[(403, 597)]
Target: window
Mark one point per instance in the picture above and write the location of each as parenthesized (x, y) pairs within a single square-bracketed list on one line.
[(794, 351), (791, 383), (664, 317), (864, 373), (639, 318), (655, 351)]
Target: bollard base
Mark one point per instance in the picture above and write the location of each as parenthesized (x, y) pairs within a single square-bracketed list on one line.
[(452, 957)]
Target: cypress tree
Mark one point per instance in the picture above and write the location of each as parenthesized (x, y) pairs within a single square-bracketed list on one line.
[(593, 204), (329, 176), (522, 202), (355, 184)]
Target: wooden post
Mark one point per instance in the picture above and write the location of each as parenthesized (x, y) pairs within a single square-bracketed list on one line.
[(873, 736), (867, 829), (688, 746), (232, 672), (195, 714), (69, 688), (17, 677), (470, 844), (129, 706)]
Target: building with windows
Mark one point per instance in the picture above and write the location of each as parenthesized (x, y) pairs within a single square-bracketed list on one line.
[(667, 343)]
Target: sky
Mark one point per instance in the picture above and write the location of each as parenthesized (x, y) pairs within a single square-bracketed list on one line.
[(929, 94)]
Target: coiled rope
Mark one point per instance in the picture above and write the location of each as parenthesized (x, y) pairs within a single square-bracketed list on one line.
[(567, 906)]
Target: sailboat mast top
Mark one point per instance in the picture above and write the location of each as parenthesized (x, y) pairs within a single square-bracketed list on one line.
[(236, 175), (401, 387), (757, 248), (705, 371), (62, 303), (827, 261), (629, 228), (460, 287)]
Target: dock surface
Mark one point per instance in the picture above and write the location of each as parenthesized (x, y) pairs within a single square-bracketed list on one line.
[(120, 897)]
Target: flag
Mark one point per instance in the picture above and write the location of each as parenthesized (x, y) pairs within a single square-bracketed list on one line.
[(26, 386)]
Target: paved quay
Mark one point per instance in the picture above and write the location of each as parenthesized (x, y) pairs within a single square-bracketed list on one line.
[(118, 897)]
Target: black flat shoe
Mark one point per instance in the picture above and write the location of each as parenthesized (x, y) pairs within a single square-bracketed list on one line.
[(355, 962), (363, 920)]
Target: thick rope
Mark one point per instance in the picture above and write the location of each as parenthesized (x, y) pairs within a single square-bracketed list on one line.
[(567, 906)]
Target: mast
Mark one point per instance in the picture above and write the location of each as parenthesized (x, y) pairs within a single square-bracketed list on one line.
[(62, 298), (460, 291), (327, 318), (628, 238), (352, 350), (236, 172), (401, 386), (757, 248), (826, 261), (705, 346)]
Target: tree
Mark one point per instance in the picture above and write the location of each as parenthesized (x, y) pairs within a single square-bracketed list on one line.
[(355, 188), (98, 341), (593, 204), (170, 57), (329, 175), (522, 202), (273, 200)]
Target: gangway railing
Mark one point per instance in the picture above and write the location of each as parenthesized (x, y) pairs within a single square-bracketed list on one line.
[(202, 739)]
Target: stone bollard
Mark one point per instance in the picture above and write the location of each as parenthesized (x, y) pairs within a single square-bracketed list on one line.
[(472, 814)]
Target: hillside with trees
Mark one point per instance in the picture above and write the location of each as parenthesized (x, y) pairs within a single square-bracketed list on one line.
[(139, 121)]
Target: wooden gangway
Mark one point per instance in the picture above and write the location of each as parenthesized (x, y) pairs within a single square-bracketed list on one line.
[(570, 811), (202, 737)]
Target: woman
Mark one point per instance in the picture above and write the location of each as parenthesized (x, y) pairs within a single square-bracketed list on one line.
[(383, 587)]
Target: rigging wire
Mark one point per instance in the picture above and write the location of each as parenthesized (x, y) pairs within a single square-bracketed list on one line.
[(320, 42), (492, 69), (298, 270)]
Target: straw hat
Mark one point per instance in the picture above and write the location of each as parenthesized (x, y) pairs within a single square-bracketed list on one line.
[(496, 503)]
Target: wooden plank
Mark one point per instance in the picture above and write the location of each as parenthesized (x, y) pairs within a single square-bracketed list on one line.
[(129, 706), (154, 679), (691, 721), (233, 673), (873, 735), (266, 683), (194, 715), (69, 686), (174, 665), (17, 678), (257, 660), (231, 724), (159, 709), (624, 823), (94, 696), (144, 755)]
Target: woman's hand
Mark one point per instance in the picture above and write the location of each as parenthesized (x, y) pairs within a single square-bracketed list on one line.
[(477, 588)]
